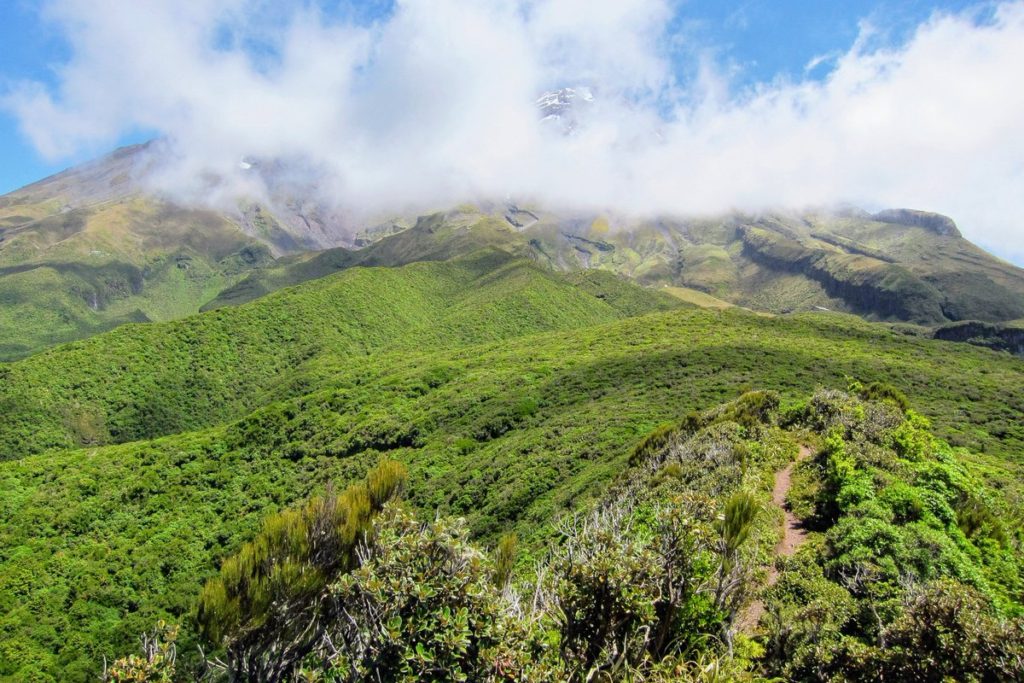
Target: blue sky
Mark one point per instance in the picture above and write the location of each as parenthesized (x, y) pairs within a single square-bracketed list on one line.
[(764, 39)]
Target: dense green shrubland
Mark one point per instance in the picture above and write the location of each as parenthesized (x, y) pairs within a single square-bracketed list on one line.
[(98, 543), (145, 381), (915, 572), (641, 586), (648, 584)]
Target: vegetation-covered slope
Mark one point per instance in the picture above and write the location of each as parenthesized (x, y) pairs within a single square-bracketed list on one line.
[(94, 247), (516, 376), (896, 265), (436, 237), (99, 542), (913, 572), (899, 265), (83, 252), (141, 381)]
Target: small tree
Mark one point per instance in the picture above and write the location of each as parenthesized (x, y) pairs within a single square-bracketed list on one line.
[(267, 608), (422, 607), (156, 665)]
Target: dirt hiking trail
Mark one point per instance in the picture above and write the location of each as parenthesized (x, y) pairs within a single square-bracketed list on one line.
[(793, 536)]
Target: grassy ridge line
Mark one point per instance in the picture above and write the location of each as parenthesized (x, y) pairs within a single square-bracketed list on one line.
[(96, 543), (143, 381), (435, 237)]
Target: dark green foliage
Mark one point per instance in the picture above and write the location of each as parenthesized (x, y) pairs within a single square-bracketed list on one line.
[(1006, 337), (923, 574), (943, 631), (804, 623), (655, 442), (632, 586), (752, 408), (882, 391), (148, 381), (647, 585), (99, 543)]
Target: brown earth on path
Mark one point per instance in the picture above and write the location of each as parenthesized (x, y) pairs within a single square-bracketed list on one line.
[(793, 536)]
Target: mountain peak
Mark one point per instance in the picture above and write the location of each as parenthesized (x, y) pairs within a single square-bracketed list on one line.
[(562, 107)]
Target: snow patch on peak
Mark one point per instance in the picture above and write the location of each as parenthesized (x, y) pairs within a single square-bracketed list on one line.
[(562, 107)]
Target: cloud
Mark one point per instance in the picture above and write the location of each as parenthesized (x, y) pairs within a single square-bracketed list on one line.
[(433, 104)]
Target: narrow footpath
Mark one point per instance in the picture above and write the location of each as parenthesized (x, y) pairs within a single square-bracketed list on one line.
[(793, 536)]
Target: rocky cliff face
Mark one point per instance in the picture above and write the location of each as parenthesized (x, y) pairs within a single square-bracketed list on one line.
[(867, 285), (1008, 338), (937, 223)]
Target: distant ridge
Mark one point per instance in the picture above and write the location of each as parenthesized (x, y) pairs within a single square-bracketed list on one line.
[(96, 246)]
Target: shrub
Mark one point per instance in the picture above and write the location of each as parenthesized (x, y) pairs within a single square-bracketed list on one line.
[(504, 560), (625, 598), (264, 607), (882, 391), (912, 440), (653, 444), (421, 606), (946, 631), (157, 663), (604, 588)]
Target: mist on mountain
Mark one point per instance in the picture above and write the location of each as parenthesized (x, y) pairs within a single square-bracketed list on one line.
[(436, 103)]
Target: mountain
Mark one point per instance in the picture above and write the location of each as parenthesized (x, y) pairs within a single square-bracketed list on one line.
[(97, 246), (565, 108), (888, 266), (893, 266), (85, 251)]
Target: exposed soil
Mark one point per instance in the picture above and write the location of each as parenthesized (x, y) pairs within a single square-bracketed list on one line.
[(793, 536)]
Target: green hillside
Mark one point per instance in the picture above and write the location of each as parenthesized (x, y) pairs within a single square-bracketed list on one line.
[(900, 566), (520, 366), (142, 381), (435, 237), (93, 248), (509, 392)]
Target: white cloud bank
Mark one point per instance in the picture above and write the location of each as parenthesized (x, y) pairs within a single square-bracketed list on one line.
[(435, 104)]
